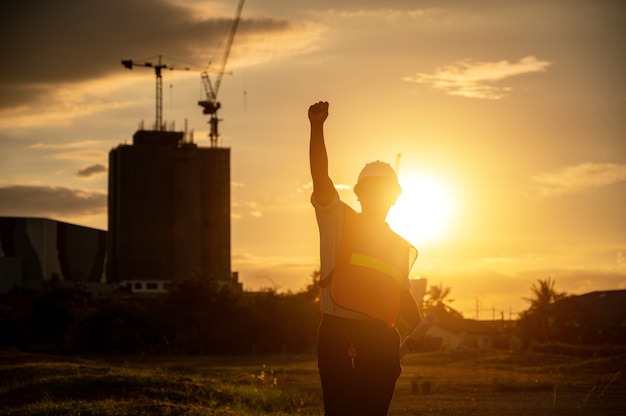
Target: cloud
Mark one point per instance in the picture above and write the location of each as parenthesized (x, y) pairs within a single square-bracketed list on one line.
[(581, 281), (245, 208), (58, 108), (573, 179), (73, 41), (62, 146), (50, 201), (476, 79), (92, 170), (80, 150), (281, 274), (372, 13), (506, 291), (77, 150)]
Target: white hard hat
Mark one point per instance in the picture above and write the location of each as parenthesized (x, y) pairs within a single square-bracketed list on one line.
[(378, 169)]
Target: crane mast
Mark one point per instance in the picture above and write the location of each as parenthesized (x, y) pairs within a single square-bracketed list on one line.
[(158, 67), (211, 105)]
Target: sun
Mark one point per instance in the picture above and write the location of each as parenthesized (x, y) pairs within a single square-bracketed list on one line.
[(424, 210)]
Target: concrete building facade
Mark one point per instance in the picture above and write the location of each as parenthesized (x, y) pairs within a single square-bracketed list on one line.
[(169, 212), (36, 250)]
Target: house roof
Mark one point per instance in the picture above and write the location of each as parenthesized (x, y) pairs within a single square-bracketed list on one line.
[(607, 308)]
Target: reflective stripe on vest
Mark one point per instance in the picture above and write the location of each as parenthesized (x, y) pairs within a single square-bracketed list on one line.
[(371, 267), (377, 264)]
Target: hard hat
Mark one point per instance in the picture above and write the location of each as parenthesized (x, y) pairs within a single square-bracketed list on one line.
[(378, 169)]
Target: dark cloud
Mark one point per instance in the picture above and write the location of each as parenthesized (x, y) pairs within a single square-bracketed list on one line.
[(92, 170), (46, 42), (49, 201)]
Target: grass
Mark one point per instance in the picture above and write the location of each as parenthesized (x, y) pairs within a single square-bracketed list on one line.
[(440, 383), (41, 385)]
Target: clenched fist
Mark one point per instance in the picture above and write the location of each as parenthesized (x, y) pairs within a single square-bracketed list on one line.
[(318, 112)]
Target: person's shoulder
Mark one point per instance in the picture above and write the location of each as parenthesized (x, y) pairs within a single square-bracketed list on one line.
[(334, 203)]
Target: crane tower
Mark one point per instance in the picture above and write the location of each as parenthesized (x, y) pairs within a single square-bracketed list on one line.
[(158, 67), (211, 105)]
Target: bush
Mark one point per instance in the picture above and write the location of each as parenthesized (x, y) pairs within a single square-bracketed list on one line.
[(194, 318)]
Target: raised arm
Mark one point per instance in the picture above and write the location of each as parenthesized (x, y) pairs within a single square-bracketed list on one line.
[(323, 188)]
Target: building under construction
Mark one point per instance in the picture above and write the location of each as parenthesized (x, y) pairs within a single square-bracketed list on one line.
[(169, 213), (169, 200)]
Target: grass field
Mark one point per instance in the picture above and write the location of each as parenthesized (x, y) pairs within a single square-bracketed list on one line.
[(441, 383)]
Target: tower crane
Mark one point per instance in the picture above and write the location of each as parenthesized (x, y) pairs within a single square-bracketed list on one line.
[(211, 105), (158, 67)]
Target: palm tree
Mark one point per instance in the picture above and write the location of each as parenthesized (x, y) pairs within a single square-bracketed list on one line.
[(437, 302), (544, 294), (537, 321)]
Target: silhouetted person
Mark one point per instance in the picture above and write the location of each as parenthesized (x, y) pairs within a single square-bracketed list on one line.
[(364, 268)]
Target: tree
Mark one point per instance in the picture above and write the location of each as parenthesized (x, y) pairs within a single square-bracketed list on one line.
[(201, 316), (437, 302), (544, 294), (312, 290), (537, 323)]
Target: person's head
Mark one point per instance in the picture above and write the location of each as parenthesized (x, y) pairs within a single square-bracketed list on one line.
[(377, 189)]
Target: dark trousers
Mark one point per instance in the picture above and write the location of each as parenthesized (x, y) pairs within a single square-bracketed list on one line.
[(367, 388)]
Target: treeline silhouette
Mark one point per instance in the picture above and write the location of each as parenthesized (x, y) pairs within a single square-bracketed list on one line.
[(194, 317), (197, 317)]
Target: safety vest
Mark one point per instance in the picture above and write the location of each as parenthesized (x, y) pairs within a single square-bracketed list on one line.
[(371, 267)]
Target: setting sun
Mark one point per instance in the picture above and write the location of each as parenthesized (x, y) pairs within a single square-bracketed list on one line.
[(424, 209)]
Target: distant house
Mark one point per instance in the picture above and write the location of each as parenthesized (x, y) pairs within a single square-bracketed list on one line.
[(605, 313), (458, 333)]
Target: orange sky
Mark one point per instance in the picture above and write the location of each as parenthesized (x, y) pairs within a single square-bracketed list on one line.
[(513, 112)]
